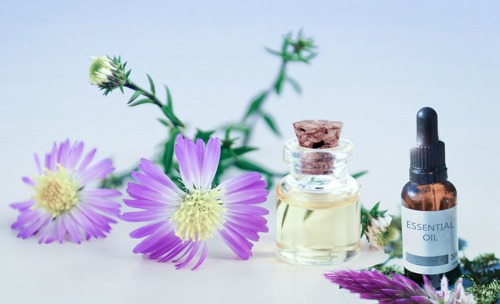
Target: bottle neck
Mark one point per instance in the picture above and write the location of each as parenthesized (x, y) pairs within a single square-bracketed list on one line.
[(318, 164)]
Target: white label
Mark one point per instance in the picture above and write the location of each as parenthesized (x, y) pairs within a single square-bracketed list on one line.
[(430, 242)]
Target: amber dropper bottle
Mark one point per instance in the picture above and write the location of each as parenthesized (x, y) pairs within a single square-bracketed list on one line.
[(429, 212)]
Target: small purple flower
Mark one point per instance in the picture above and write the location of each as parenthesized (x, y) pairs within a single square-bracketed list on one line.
[(180, 222), (63, 204), (374, 285)]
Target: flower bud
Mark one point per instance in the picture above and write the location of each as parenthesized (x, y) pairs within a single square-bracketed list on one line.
[(106, 73), (378, 230)]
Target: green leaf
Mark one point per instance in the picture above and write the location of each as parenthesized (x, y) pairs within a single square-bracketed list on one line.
[(274, 52), (308, 214), (171, 116), (295, 85), (285, 212), (278, 85), (140, 101), (248, 165), (169, 99), (256, 104), (227, 136), (204, 135), (271, 124), (242, 150), (134, 96), (359, 174), (165, 123), (168, 152), (151, 84)]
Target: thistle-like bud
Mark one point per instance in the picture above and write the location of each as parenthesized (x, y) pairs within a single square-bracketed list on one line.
[(377, 231), (108, 74)]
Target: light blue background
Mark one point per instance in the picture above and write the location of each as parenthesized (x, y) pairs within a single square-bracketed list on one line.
[(378, 63)]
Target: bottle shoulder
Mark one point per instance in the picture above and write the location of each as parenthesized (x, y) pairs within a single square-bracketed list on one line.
[(429, 197), (320, 184)]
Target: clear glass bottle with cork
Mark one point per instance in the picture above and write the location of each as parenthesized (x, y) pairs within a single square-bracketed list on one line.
[(318, 209)]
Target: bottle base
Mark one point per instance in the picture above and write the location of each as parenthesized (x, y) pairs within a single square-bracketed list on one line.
[(317, 257), (435, 279)]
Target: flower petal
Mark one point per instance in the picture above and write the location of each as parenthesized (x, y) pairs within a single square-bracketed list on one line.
[(211, 159)]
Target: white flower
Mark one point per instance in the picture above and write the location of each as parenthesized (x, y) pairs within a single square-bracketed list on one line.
[(377, 229), (107, 73), (456, 296)]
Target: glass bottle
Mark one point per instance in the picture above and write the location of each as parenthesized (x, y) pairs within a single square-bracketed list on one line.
[(318, 208), (429, 209)]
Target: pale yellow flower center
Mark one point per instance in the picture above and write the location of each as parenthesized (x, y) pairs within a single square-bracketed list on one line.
[(199, 215), (56, 191)]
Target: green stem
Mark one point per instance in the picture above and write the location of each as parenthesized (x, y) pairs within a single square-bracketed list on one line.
[(251, 124), (131, 85)]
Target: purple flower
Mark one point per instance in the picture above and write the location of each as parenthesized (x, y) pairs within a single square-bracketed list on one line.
[(374, 285), (180, 222), (377, 286), (62, 204)]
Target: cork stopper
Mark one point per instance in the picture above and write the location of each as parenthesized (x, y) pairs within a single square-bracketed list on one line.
[(317, 134)]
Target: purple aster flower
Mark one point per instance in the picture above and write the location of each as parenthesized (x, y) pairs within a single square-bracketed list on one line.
[(181, 221), (63, 204)]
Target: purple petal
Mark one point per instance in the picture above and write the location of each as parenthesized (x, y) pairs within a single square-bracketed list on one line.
[(247, 209), (192, 252), (74, 156), (236, 244), (142, 216), (246, 232), (21, 206), (203, 255), (210, 163), (38, 165), (144, 204), (236, 182), (99, 170), (28, 181), (249, 196), (70, 226), (141, 192), (63, 153), (154, 184), (147, 230), (156, 173), (185, 166), (86, 161), (99, 193), (149, 243)]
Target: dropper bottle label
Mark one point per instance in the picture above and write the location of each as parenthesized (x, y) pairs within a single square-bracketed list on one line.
[(430, 245), (429, 212)]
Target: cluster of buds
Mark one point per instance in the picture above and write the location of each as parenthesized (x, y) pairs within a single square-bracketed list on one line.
[(108, 74), (296, 49), (376, 226), (377, 231)]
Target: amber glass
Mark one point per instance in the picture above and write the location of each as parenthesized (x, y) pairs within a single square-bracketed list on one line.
[(431, 197)]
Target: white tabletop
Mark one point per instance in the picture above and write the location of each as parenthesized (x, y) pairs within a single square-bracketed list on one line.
[(378, 64)]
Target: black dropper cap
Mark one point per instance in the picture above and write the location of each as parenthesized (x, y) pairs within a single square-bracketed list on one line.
[(428, 164)]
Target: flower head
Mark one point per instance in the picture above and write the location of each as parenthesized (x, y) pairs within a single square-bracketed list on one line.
[(378, 230), (63, 204), (108, 74), (396, 288), (181, 221)]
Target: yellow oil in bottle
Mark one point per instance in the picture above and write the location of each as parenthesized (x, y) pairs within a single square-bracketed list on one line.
[(317, 228)]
